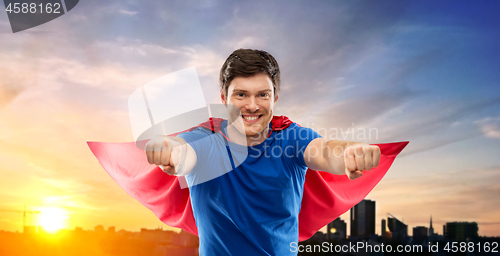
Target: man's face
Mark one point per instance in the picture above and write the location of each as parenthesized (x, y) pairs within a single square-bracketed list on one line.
[(254, 97)]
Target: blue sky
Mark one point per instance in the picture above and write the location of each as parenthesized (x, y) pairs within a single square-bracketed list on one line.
[(423, 71)]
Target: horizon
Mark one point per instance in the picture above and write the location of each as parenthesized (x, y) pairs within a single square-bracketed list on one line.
[(438, 229)]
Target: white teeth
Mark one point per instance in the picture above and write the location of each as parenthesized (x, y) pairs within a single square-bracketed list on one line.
[(251, 117)]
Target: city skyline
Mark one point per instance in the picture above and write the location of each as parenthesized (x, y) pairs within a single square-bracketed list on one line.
[(99, 241), (349, 213), (418, 71)]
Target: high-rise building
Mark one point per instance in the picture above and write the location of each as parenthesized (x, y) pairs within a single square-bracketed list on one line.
[(420, 234), (363, 219), (460, 230), (399, 230), (383, 229), (431, 229), (336, 230)]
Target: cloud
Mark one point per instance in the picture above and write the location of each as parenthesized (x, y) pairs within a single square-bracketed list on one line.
[(66, 101), (490, 127), (130, 13), (444, 114), (438, 124), (16, 77), (364, 109), (368, 103), (7, 94), (461, 195)]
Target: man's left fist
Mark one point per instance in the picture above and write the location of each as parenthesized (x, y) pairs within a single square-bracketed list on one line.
[(360, 157)]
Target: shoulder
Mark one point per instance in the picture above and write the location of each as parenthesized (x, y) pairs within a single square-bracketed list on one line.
[(195, 133), (296, 132)]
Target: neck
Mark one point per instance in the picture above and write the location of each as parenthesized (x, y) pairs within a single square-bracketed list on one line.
[(236, 136)]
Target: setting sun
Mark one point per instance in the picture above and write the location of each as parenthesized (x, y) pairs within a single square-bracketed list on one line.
[(52, 219)]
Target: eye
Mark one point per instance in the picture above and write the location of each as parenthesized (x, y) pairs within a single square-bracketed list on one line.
[(264, 95), (240, 94)]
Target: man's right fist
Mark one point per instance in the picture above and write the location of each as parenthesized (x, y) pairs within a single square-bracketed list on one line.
[(159, 153)]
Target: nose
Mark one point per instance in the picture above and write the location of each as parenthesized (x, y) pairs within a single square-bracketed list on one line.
[(252, 105)]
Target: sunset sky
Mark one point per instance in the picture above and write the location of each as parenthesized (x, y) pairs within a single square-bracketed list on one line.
[(422, 71)]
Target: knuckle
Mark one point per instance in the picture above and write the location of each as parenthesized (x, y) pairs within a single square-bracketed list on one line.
[(350, 168), (359, 150), (165, 162), (346, 152)]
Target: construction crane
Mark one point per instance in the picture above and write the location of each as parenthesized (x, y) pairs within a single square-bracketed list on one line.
[(24, 214)]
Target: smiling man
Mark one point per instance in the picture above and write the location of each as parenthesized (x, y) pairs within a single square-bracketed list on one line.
[(250, 206), (254, 97)]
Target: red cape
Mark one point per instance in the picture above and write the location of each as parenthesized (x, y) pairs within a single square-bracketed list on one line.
[(326, 196)]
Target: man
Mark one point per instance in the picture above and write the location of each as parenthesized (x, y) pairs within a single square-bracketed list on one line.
[(253, 208)]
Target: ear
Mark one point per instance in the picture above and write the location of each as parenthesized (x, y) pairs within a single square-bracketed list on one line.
[(277, 96), (223, 98)]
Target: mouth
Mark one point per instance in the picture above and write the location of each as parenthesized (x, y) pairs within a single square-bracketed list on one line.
[(251, 118)]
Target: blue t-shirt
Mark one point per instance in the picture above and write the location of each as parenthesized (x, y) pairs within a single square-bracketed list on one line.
[(246, 200)]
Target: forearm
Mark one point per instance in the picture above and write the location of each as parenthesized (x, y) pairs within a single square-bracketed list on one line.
[(341, 157), (183, 156), (334, 152)]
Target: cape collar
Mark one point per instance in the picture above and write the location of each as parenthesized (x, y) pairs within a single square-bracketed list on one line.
[(277, 123)]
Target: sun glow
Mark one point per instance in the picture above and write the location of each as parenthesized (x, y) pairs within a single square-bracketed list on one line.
[(53, 219)]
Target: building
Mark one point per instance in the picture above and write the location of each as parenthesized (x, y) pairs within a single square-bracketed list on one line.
[(399, 230), (186, 239), (420, 234), (363, 219), (158, 235), (99, 229), (78, 231), (460, 230), (336, 230), (431, 229), (383, 229)]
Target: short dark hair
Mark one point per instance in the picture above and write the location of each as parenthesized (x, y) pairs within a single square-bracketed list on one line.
[(246, 63)]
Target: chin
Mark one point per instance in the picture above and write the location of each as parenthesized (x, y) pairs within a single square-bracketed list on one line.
[(250, 133), (254, 130)]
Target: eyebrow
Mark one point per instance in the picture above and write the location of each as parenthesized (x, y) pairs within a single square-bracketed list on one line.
[(240, 91)]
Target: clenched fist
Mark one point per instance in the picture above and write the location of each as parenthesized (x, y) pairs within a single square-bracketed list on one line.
[(360, 157), (158, 153), (172, 154)]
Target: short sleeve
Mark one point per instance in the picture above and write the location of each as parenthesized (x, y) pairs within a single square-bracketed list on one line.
[(212, 156), (199, 140), (297, 142)]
